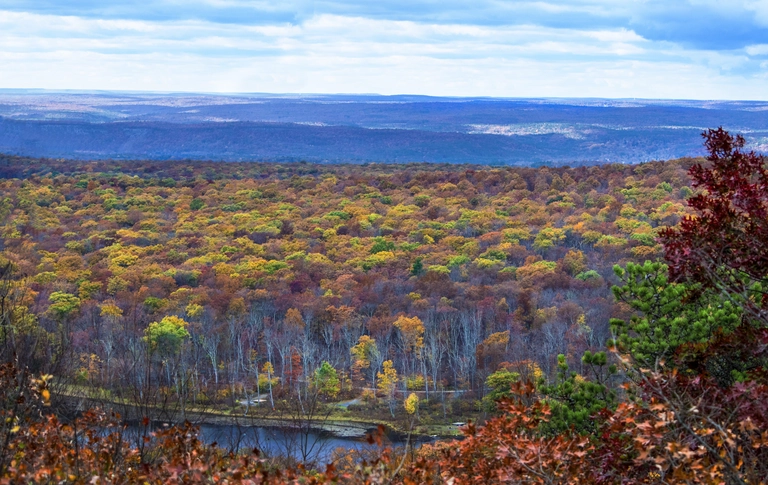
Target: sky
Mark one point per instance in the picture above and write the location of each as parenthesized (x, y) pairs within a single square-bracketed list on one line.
[(666, 49)]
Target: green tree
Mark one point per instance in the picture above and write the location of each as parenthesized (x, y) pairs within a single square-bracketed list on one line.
[(547, 238), (88, 289), (574, 401), (196, 204), (669, 315), (63, 304), (327, 380), (500, 385), (380, 245), (167, 335), (417, 268)]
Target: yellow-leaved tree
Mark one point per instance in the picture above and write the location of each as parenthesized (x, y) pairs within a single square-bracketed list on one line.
[(411, 339), (388, 384), (412, 404), (365, 353)]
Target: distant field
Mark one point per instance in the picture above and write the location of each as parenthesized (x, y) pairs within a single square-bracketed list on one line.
[(365, 128)]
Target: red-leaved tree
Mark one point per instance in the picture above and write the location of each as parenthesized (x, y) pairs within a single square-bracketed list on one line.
[(724, 243)]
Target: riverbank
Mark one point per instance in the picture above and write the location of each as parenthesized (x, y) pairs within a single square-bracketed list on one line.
[(79, 398)]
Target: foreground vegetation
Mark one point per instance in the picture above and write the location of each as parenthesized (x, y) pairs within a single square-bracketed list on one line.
[(420, 295)]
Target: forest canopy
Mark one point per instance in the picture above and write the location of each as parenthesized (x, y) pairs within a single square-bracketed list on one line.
[(308, 259), (535, 300)]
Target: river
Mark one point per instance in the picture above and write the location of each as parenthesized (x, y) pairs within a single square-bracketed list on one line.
[(313, 447)]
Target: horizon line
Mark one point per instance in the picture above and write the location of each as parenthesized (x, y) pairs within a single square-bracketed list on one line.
[(224, 94)]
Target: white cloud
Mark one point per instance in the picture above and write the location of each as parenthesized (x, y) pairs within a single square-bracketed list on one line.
[(757, 50), (760, 10), (333, 53)]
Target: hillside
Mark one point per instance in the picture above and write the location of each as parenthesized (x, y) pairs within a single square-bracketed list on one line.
[(326, 297), (359, 129)]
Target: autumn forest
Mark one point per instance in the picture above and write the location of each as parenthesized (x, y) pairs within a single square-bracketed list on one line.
[(575, 317)]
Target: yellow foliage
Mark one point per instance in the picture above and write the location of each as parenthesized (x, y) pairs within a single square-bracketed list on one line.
[(412, 330), (411, 403), (364, 350), (535, 270), (535, 371), (193, 310), (109, 309), (387, 379)]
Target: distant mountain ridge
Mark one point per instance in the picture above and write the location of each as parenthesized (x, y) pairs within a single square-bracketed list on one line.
[(349, 128)]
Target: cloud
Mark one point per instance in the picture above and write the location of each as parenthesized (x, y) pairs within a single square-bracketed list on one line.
[(709, 24), (354, 37), (226, 12), (757, 50), (636, 48), (701, 24), (395, 74), (697, 24)]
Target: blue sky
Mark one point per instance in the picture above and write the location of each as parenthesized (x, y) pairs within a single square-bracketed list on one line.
[(693, 49)]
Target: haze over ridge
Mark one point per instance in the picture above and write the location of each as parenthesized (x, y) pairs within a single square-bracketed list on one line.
[(365, 128)]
